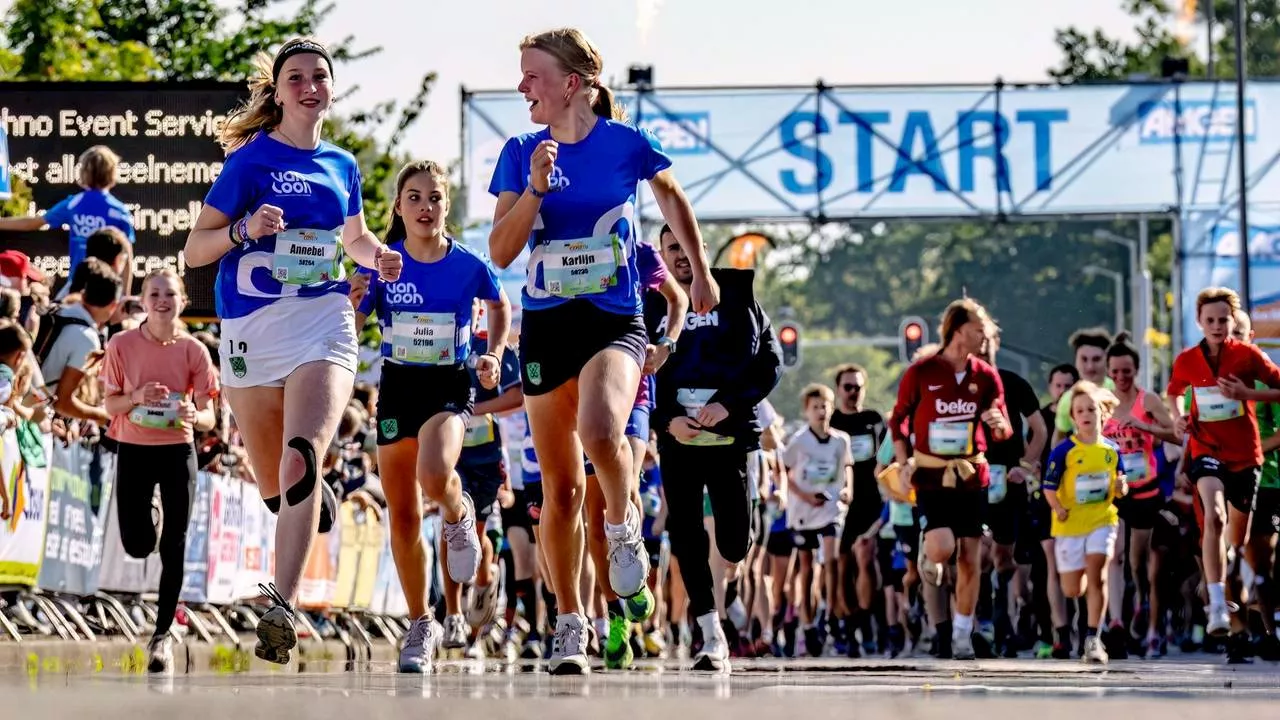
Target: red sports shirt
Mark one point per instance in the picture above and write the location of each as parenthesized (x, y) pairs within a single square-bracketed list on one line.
[(1226, 430), (944, 412)]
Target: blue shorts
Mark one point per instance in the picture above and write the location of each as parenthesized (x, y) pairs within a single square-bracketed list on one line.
[(637, 427)]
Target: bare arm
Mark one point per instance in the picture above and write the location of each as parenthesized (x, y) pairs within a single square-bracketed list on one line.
[(513, 219), (359, 243), (1039, 434), (499, 323), (71, 406), (209, 240), (678, 212), (677, 306), (1163, 428), (19, 224)]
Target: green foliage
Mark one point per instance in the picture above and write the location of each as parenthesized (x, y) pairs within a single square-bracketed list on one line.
[(68, 40), (818, 364), (19, 200)]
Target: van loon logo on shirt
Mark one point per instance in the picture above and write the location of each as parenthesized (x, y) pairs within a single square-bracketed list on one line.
[(403, 293), (289, 182), (86, 225), (558, 179)]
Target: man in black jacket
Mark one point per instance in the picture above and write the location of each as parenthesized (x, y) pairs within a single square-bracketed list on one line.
[(727, 362)]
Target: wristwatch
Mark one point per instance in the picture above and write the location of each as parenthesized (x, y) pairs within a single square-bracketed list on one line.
[(671, 344)]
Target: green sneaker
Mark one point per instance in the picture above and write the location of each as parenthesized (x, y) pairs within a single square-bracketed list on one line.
[(1043, 650), (639, 606), (617, 648)]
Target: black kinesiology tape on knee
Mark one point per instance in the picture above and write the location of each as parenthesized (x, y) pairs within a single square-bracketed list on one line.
[(302, 490), (273, 504)]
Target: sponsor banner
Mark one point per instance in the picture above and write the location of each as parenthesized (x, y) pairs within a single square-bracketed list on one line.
[(790, 153), (79, 480), (1211, 243), (195, 566), (257, 544), (120, 572), (22, 534), (226, 518), (319, 585)]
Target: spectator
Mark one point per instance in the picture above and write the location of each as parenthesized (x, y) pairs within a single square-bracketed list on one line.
[(69, 340), (111, 246), (86, 211), (10, 304), (17, 273)]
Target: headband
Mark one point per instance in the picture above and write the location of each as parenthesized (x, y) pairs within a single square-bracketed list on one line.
[(298, 48)]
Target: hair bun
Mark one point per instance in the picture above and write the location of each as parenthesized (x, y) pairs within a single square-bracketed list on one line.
[(1124, 336)]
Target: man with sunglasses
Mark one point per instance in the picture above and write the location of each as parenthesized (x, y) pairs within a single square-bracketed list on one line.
[(866, 431)]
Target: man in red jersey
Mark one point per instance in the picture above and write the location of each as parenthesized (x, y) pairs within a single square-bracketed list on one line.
[(953, 404), (1224, 453)]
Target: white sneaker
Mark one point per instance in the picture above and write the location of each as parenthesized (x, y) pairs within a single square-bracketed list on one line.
[(464, 544), (1219, 620), (738, 614), (455, 632), (569, 646), (628, 560), (482, 606), (160, 655), (714, 655), (419, 647), (1094, 652), (961, 644)]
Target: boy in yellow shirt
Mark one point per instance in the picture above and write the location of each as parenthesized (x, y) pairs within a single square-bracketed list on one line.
[(1084, 477)]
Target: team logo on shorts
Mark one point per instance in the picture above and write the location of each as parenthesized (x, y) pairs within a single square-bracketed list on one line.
[(534, 371), (390, 428), (238, 366)]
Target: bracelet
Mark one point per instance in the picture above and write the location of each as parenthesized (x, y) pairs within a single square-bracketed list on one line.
[(494, 356), (536, 192)]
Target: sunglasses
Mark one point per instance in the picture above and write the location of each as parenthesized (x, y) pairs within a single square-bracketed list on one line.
[(849, 387)]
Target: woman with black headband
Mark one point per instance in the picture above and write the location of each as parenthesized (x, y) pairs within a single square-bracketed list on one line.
[(278, 220)]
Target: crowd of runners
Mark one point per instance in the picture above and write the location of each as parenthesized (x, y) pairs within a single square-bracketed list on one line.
[(655, 505)]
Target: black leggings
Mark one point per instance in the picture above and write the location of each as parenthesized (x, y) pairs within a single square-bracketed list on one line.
[(723, 472), (139, 469)]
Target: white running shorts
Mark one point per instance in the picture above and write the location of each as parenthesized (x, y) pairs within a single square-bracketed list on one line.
[(1070, 550), (262, 348)]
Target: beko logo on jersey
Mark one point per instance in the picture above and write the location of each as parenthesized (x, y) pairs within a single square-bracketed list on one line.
[(955, 407), (693, 321), (289, 183), (403, 293)]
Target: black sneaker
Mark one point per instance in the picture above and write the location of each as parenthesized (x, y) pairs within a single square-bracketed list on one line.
[(1268, 648), (1116, 642), (1238, 649)]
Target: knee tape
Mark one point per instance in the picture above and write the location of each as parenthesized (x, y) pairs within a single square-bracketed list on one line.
[(302, 489), (273, 504)]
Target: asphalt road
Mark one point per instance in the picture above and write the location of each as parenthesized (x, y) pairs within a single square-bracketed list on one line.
[(922, 689)]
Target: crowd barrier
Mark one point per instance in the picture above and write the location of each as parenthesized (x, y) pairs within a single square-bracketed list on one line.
[(60, 552)]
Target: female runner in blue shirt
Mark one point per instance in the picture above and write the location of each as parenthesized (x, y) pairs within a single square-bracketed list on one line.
[(425, 395), (277, 220), (569, 193)]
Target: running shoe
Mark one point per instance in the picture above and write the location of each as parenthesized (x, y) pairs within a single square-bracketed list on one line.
[(1238, 649), (1219, 619), (568, 646), (655, 645), (160, 655), (618, 653), (419, 647), (464, 544), (276, 633), (1094, 653), (483, 602), (962, 645), (639, 607), (628, 559), (455, 632), (714, 655), (1268, 648)]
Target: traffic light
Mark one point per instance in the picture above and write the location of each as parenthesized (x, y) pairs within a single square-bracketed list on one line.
[(913, 333), (789, 338)]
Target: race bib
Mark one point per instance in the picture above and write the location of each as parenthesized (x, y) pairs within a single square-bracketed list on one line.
[(162, 415), (863, 447), (305, 257), (479, 431), (693, 400), (819, 472), (581, 267), (1093, 487), (900, 514), (1213, 406), (423, 338), (1135, 466), (950, 438), (999, 485), (888, 532)]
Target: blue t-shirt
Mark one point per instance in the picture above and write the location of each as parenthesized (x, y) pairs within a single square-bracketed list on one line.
[(585, 234), (86, 213), (651, 498), (317, 190), (425, 316), (482, 445)]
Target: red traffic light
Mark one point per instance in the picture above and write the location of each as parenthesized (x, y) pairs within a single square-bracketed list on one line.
[(913, 332), (788, 334)]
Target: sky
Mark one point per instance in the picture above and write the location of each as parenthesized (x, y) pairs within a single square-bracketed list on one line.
[(473, 43)]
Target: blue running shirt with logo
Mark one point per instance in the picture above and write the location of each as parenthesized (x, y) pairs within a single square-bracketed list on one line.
[(86, 213), (583, 240), (425, 315), (317, 190)]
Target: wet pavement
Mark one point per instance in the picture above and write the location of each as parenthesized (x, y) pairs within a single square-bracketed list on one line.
[(662, 690)]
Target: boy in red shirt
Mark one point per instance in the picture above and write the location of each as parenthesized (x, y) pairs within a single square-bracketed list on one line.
[(1224, 452)]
